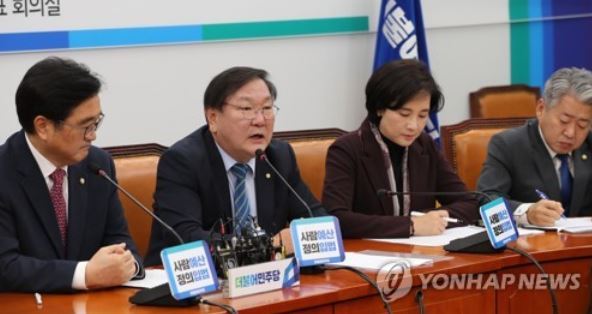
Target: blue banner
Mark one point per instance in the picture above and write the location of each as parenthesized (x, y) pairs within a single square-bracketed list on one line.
[(400, 35)]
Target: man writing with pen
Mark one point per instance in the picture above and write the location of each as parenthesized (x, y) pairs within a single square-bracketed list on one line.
[(544, 168)]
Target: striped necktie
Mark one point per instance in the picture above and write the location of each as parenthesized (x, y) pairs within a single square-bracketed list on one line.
[(241, 199)]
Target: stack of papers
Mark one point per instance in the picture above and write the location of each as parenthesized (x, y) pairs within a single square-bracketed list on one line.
[(572, 225), (376, 262), (437, 240), (447, 236)]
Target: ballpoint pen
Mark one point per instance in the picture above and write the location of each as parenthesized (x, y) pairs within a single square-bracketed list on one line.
[(453, 220), (544, 196)]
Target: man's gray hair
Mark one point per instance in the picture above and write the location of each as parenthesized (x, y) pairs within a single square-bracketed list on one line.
[(573, 81)]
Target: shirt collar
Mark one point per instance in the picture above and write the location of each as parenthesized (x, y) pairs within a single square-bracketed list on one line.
[(552, 153), (46, 166), (229, 161)]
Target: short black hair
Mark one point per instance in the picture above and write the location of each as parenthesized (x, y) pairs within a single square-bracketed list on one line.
[(52, 88), (397, 82), (229, 81)]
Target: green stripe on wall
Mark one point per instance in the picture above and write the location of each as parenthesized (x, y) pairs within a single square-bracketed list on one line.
[(284, 28), (519, 42)]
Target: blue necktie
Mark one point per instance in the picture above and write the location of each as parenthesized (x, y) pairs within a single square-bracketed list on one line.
[(241, 199), (566, 182)]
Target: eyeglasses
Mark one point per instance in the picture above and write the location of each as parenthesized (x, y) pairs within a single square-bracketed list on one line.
[(249, 113), (93, 127)]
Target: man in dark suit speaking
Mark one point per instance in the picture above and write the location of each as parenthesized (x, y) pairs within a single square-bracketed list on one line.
[(545, 167), (61, 226), (213, 173)]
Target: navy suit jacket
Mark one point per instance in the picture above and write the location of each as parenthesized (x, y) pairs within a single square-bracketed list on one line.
[(518, 163), (32, 256), (192, 191)]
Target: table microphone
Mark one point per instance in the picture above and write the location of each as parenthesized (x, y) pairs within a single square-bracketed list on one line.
[(159, 295), (476, 243), (261, 155)]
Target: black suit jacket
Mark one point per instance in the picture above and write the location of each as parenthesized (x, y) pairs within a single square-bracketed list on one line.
[(355, 171), (192, 191), (518, 163), (32, 256)]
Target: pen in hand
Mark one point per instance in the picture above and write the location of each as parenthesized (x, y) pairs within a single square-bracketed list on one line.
[(453, 220), (544, 196)]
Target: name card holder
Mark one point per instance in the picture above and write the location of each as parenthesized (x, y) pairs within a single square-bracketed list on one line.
[(190, 270), (317, 241), (262, 277), (499, 223)]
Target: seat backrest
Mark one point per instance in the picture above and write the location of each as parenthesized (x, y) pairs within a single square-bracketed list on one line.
[(310, 148), (135, 167), (465, 144), (504, 101)]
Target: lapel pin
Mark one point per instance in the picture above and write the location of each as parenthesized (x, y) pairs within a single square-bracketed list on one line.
[(82, 181), (268, 175), (584, 157)]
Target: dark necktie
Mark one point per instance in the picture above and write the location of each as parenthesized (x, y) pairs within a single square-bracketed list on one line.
[(241, 199), (59, 204), (566, 182)]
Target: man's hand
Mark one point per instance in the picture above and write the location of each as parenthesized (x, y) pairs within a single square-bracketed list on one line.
[(286, 240), (432, 223), (110, 266), (544, 213)]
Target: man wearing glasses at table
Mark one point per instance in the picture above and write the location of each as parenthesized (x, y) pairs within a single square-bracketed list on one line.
[(61, 226), (213, 173)]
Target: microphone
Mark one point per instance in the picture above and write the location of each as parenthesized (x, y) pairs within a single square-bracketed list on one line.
[(159, 295), (385, 192), (97, 170), (261, 155)]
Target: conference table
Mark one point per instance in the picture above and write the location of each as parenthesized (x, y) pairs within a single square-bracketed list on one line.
[(341, 291)]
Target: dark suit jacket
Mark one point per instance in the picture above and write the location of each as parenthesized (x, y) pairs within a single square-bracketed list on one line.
[(192, 191), (518, 163), (355, 171), (32, 256)]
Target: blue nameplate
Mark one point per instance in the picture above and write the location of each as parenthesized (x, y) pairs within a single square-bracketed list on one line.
[(317, 240), (498, 222), (189, 268)]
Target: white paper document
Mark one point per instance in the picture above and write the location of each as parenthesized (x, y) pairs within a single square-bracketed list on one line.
[(154, 277), (572, 224), (437, 240), (376, 262)]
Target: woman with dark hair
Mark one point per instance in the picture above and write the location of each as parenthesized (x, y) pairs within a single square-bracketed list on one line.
[(390, 151)]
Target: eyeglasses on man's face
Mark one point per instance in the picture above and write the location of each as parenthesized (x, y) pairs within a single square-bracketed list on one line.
[(88, 129), (250, 113)]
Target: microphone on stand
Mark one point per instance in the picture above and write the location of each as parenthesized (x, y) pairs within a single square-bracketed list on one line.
[(159, 295), (476, 243), (261, 155)]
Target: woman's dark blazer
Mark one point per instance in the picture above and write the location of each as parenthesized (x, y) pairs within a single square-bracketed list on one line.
[(355, 171)]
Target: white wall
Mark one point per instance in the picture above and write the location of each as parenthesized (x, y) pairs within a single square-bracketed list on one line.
[(153, 94)]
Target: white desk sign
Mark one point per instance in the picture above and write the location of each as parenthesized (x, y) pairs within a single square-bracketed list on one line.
[(498, 222), (317, 240), (189, 268), (261, 277)]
